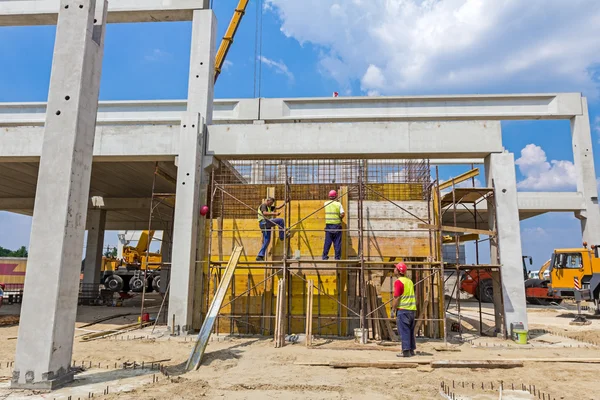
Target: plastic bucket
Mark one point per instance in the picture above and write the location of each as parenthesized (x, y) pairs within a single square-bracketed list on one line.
[(520, 336)]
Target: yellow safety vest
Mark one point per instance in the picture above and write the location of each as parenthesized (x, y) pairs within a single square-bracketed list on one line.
[(262, 217), (407, 300), (332, 212)]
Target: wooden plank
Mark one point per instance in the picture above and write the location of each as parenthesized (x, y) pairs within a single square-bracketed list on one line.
[(458, 179), (445, 228), (309, 312), (379, 365), (279, 317), (488, 364), (387, 324), (196, 356)]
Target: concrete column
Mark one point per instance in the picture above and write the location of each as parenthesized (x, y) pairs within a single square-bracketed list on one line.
[(45, 342), (192, 179), (500, 174), (95, 243), (583, 158)]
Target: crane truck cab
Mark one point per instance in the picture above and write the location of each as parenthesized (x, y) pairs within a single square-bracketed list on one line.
[(575, 273)]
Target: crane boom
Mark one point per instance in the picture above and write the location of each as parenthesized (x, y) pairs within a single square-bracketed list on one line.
[(240, 10)]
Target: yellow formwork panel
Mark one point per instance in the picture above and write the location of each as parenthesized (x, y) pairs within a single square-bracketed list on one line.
[(308, 237)]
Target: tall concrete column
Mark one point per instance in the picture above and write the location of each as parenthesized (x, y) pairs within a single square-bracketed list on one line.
[(95, 242), (583, 158), (192, 180), (45, 342), (500, 174)]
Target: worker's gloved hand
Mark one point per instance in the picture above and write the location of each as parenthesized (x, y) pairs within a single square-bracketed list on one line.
[(393, 314)]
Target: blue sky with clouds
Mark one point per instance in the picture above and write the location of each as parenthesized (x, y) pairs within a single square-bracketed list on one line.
[(362, 47)]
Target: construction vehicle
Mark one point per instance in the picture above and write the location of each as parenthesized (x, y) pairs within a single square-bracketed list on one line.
[(479, 284), (575, 274), (127, 274)]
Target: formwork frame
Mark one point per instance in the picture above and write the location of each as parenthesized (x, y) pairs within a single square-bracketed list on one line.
[(428, 274)]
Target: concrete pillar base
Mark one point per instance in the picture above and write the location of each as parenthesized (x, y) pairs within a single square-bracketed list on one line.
[(50, 384)]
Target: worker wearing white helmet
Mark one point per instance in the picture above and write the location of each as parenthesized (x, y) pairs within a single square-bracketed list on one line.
[(334, 214), (404, 307)]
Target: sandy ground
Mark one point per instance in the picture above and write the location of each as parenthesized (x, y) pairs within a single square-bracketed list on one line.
[(251, 368)]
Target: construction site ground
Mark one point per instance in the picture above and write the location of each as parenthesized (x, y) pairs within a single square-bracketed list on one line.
[(251, 368)]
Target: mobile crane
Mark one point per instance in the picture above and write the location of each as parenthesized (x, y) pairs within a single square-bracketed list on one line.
[(227, 41)]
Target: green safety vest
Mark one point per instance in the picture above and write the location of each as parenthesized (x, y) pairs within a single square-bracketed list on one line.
[(407, 300), (261, 217), (332, 213)]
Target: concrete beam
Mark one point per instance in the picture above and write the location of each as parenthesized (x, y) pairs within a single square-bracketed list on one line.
[(136, 225), (110, 204), (340, 109), (45, 12), (451, 139), (114, 143)]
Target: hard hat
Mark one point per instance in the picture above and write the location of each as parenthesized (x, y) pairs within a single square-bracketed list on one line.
[(332, 193), (203, 210), (401, 268)]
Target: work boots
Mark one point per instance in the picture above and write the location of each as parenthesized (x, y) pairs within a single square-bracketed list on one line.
[(405, 353)]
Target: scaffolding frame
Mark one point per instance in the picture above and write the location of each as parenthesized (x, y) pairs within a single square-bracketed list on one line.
[(360, 189)]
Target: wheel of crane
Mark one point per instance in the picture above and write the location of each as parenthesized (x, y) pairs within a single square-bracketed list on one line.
[(114, 283), (156, 283), (136, 284)]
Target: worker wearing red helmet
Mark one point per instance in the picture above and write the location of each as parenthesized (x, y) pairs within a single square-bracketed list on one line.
[(404, 306), (334, 214)]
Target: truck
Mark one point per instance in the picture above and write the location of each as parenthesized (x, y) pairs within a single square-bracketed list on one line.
[(575, 274), (479, 284), (127, 273)]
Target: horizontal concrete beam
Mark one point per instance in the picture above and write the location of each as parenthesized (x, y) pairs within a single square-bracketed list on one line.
[(110, 204), (341, 109), (136, 225), (450, 139), (45, 12), (550, 201), (112, 142)]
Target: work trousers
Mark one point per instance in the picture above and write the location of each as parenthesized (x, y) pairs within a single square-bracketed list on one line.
[(405, 320), (265, 227), (333, 235)]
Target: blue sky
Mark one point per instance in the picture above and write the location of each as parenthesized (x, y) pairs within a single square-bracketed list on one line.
[(316, 47)]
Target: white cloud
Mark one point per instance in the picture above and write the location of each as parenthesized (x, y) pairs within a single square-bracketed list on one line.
[(278, 67), (227, 64), (157, 55), (543, 175), (438, 46)]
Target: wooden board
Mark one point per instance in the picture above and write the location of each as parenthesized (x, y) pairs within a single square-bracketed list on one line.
[(456, 229), (488, 364), (380, 365)]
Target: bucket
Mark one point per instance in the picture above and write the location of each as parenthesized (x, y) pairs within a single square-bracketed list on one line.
[(145, 317), (520, 336)]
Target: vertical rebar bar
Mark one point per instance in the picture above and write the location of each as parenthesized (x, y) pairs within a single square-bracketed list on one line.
[(149, 243)]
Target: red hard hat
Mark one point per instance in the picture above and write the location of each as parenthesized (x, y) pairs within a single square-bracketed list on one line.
[(401, 267), (332, 193), (203, 210)]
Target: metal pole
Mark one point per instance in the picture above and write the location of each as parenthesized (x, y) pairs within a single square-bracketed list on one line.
[(457, 246), (210, 235), (149, 243), (363, 283), (477, 260), (441, 254)]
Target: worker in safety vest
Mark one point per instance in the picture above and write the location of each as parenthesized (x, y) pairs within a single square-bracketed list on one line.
[(405, 307), (334, 213), (266, 213)]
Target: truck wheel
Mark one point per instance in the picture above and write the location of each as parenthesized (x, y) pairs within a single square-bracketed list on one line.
[(485, 290), (136, 284), (114, 283), (156, 283)]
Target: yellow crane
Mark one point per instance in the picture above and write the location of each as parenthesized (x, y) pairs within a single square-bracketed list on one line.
[(240, 10)]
